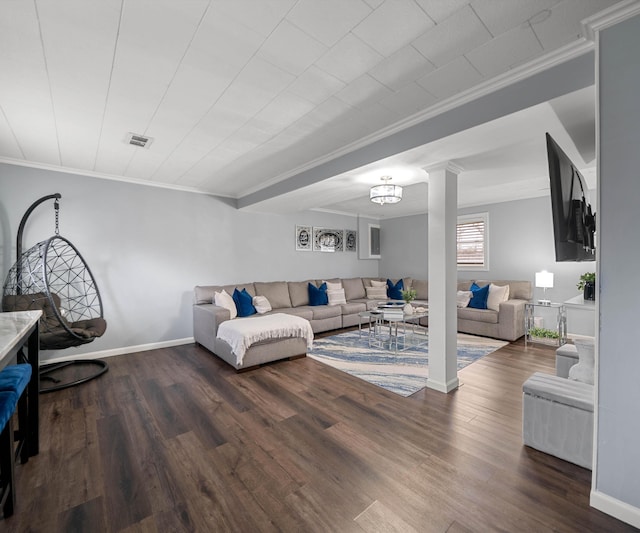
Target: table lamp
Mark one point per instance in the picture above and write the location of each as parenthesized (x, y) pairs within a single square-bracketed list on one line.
[(544, 280)]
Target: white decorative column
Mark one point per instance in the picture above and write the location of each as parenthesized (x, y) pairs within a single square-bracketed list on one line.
[(443, 277)]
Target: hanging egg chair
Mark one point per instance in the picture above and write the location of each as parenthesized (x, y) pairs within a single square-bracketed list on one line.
[(53, 277)]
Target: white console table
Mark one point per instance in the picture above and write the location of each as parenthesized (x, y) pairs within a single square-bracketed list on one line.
[(580, 316), (578, 302)]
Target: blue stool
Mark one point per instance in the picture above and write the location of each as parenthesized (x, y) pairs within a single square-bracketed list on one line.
[(13, 382), (15, 378), (8, 402)]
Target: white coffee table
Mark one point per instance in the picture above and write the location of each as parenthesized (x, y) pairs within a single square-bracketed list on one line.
[(392, 331)]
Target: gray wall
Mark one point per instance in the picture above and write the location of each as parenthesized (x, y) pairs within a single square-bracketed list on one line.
[(404, 244), (520, 244), (148, 247), (617, 473)]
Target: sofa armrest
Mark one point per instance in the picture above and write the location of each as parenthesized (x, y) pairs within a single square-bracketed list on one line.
[(511, 319), (206, 319)]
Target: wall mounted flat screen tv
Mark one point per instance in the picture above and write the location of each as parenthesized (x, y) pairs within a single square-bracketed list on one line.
[(574, 222)]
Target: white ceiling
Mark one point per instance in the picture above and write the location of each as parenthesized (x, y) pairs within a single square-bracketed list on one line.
[(241, 94)]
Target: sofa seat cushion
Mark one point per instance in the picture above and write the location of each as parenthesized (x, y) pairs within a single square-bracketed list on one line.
[(479, 315), (277, 292), (304, 311), (352, 308), (368, 303), (320, 312)]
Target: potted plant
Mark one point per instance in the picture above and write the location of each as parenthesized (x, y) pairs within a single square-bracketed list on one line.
[(544, 335), (587, 284), (408, 295)]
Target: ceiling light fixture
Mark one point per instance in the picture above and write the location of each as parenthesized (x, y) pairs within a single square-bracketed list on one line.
[(385, 194)]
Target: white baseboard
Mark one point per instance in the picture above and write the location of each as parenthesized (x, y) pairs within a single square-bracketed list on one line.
[(620, 510), (120, 351)]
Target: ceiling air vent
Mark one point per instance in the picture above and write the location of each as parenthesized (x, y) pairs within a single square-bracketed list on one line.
[(139, 140)]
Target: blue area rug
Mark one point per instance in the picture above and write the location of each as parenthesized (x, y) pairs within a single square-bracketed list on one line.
[(404, 372)]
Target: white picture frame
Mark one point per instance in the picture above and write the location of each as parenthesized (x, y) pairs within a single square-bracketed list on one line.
[(304, 238), (328, 240), (350, 240)]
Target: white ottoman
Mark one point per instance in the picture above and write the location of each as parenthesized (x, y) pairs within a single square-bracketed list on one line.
[(557, 417), (566, 357)]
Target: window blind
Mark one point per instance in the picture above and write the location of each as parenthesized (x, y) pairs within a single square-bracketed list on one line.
[(471, 243)]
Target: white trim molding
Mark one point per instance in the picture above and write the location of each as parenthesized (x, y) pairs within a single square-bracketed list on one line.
[(119, 351), (616, 508), (102, 176), (610, 16)]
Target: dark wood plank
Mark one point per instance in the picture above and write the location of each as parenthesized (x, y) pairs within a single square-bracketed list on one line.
[(176, 440), (126, 502)]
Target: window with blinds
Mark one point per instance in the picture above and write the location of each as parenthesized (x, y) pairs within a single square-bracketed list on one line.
[(472, 245)]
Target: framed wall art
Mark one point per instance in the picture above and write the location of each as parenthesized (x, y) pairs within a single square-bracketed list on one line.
[(304, 239), (350, 240), (328, 240)]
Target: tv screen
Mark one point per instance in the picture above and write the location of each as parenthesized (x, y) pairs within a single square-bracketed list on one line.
[(574, 222)]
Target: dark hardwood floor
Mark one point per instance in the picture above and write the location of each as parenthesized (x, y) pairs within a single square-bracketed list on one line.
[(175, 440)]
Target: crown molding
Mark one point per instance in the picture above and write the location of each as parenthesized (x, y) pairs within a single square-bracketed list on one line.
[(608, 17), (336, 212), (99, 175), (447, 165)]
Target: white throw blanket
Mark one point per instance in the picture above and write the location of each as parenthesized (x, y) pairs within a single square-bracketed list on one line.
[(241, 333)]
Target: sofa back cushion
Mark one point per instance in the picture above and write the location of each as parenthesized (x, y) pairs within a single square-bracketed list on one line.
[(299, 292), (277, 292), (248, 287), (353, 288), (518, 290), (421, 287), (522, 290), (205, 294)]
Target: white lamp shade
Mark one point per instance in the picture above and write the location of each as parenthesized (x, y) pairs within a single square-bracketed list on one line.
[(544, 279)]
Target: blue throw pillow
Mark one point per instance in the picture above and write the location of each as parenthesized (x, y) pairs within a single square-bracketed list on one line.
[(394, 292), (244, 302), (479, 296), (318, 295)]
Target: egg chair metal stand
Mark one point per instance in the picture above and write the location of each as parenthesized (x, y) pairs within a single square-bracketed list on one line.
[(53, 277)]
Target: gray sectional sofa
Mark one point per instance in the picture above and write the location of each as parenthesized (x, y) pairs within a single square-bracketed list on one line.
[(292, 297)]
